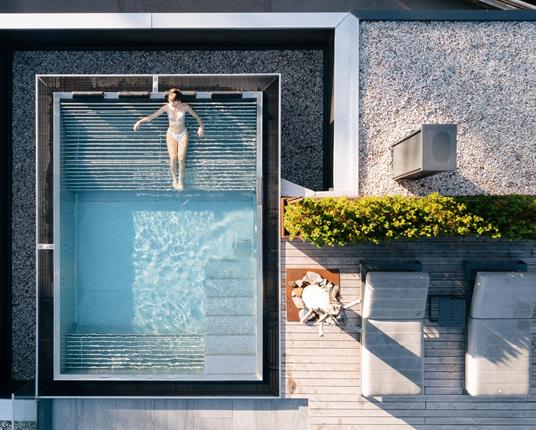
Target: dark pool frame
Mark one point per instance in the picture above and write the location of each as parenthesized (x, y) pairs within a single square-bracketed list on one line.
[(269, 385), (269, 85), (5, 230)]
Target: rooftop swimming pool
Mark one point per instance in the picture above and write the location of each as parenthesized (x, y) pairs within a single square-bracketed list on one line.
[(152, 284)]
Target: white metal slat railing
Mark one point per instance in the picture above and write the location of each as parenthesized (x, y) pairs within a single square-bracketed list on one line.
[(100, 151)]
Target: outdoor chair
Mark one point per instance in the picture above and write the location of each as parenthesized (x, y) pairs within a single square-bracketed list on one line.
[(392, 346), (498, 356)]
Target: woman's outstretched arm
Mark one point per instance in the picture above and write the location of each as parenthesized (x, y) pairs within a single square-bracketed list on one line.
[(201, 129), (149, 117)]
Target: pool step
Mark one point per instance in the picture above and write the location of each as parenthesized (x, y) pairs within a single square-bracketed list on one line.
[(231, 345), (243, 248), (243, 268), (230, 287), (100, 353), (230, 292), (229, 324), (236, 306), (100, 151), (231, 313)]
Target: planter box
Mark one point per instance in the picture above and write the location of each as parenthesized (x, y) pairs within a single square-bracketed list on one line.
[(283, 202)]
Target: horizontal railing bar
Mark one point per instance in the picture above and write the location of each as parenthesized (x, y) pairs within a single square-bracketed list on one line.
[(151, 103), (93, 114), (68, 105), (130, 179), (137, 182), (160, 185), (112, 141), (202, 169), (135, 351), (98, 354), (159, 337), (215, 112), (148, 168), (208, 160), (220, 174)]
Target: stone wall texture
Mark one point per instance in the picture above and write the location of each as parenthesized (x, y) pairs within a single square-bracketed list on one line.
[(301, 136), (479, 75)]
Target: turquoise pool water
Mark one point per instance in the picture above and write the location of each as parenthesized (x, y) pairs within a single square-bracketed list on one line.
[(151, 283), (143, 259), (160, 272)]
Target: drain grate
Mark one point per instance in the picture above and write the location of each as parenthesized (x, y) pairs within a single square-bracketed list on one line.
[(94, 353)]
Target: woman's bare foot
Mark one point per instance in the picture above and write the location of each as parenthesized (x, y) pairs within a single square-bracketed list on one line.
[(180, 186)]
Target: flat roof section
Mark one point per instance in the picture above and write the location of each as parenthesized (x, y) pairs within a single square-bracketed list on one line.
[(35, 6)]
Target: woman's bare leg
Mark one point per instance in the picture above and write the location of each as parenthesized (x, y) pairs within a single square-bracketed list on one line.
[(173, 160), (182, 146)]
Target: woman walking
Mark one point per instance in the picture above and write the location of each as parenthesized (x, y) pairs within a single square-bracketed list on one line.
[(177, 134)]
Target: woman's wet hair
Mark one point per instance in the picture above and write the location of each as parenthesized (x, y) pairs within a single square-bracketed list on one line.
[(174, 94)]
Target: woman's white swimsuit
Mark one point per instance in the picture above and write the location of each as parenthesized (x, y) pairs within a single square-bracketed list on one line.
[(178, 136), (176, 122)]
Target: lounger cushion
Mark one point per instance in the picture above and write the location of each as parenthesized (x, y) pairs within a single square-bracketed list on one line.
[(395, 295), (392, 358), (504, 295), (498, 357)]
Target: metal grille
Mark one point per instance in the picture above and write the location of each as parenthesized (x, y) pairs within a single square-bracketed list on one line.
[(100, 151), (94, 353)]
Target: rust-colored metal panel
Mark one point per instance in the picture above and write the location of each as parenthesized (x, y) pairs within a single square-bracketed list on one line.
[(332, 275)]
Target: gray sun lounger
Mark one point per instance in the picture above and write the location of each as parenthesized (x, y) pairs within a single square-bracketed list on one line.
[(392, 348), (497, 361)]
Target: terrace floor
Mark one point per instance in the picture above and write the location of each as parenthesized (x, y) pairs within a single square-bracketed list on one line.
[(321, 376), (326, 371), (129, 414)]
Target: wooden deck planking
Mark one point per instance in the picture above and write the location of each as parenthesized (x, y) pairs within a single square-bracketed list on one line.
[(314, 367)]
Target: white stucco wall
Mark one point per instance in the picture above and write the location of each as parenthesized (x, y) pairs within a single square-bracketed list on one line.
[(480, 75)]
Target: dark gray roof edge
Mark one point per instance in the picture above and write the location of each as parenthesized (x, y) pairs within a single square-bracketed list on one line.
[(445, 15)]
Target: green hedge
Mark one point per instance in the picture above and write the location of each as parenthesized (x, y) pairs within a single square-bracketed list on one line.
[(340, 221)]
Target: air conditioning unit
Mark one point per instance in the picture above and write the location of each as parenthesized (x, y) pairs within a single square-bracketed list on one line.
[(425, 152)]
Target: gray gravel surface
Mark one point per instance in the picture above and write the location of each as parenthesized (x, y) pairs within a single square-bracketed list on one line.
[(481, 76), (302, 99)]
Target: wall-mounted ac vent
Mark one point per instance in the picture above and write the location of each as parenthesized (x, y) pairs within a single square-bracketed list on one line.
[(425, 152)]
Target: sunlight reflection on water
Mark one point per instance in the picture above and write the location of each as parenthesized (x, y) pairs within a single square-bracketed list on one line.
[(171, 251)]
